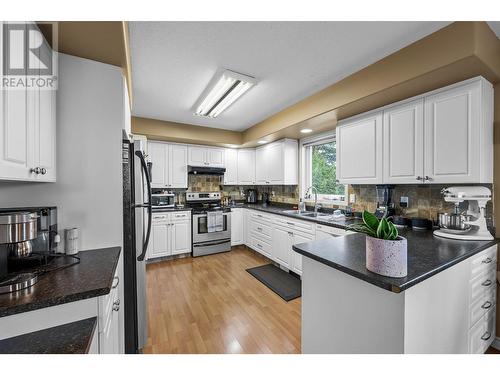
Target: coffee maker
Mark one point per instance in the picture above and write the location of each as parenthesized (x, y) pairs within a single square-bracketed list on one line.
[(385, 207), (251, 196), (27, 239)]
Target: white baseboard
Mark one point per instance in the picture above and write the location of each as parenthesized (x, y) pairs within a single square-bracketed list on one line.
[(496, 343)]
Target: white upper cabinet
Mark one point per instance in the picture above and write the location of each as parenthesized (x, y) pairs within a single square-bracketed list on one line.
[(444, 136), (459, 134), (177, 166), (403, 143), (359, 149), (277, 163), (28, 129), (201, 156), (169, 169), (231, 164), (246, 166)]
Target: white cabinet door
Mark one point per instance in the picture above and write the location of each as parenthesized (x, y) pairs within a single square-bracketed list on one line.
[(452, 134), (261, 165), (246, 167), (275, 170), (197, 156), (215, 157), (160, 240), (296, 257), (181, 237), (231, 164), (158, 156), (16, 133), (359, 150), (282, 243), (177, 166), (236, 226), (404, 143)]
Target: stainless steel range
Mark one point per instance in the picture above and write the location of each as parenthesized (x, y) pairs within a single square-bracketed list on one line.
[(211, 223)]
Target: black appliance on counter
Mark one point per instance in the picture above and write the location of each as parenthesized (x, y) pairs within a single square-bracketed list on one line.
[(27, 240), (251, 196), (265, 199), (137, 215)]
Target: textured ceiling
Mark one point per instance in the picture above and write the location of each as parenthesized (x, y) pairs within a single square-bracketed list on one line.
[(172, 62)]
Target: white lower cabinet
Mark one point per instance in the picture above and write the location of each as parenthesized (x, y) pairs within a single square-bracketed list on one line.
[(109, 322), (170, 234), (282, 242), (237, 226)]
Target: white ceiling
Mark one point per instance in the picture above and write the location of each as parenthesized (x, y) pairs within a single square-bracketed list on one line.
[(172, 62)]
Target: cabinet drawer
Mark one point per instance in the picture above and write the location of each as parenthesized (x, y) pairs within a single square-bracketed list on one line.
[(481, 335), (262, 247), (261, 230), (483, 261), (304, 226), (482, 284), (261, 218), (106, 305), (181, 215), (482, 306), (160, 217)]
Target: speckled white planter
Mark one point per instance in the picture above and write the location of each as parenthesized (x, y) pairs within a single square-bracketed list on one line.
[(387, 257)]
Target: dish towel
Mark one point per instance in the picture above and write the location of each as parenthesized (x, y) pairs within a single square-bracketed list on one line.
[(219, 221), (211, 221)]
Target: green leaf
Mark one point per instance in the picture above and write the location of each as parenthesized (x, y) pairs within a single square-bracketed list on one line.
[(394, 231), (370, 220), (381, 229), (361, 228)]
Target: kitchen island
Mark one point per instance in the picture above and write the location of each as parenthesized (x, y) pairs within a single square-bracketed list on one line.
[(444, 305)]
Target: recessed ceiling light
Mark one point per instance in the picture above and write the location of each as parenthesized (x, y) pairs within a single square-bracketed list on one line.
[(306, 130), (233, 146), (222, 91), (262, 142)]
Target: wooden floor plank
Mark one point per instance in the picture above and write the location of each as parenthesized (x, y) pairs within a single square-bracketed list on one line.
[(212, 305)]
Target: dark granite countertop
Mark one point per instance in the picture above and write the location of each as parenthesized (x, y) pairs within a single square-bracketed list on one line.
[(427, 256), (71, 338), (171, 209), (92, 277), (279, 209)]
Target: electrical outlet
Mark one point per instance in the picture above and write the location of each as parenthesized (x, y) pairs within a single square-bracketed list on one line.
[(352, 198), (404, 202), (273, 194)]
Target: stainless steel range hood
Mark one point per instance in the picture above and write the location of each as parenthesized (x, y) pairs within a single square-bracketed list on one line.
[(206, 170)]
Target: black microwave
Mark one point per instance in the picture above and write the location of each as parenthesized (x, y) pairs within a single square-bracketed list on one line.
[(163, 200)]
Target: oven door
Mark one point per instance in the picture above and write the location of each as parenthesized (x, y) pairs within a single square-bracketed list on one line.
[(200, 228)]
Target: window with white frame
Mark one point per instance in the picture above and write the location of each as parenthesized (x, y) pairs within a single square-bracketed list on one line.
[(320, 165)]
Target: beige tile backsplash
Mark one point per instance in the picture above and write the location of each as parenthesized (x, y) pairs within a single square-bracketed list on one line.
[(425, 200)]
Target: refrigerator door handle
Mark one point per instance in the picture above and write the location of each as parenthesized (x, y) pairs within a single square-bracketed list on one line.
[(147, 205)]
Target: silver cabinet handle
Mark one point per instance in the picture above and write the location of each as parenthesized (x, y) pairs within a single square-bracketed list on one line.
[(43, 171), (117, 279), (259, 215), (487, 260), (290, 223), (259, 245), (290, 233), (36, 170), (427, 178), (419, 178), (116, 308), (486, 305), (117, 302), (486, 336), (486, 283), (259, 228)]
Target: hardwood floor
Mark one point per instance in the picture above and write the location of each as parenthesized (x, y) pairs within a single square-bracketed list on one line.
[(212, 305)]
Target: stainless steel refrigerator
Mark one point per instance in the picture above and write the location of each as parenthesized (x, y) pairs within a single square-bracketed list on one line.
[(136, 232)]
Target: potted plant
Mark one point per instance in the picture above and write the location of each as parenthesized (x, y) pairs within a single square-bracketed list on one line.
[(386, 250)]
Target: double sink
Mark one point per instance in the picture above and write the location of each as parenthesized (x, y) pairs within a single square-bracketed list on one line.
[(308, 214)]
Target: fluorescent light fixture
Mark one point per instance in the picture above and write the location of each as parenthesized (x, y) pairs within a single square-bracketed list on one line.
[(222, 91), (306, 131), (262, 142)]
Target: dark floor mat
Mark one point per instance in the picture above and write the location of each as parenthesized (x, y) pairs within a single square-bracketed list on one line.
[(280, 282)]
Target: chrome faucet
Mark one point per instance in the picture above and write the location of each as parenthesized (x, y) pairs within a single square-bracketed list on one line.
[(308, 196)]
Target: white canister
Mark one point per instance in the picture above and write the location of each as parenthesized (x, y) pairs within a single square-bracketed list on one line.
[(71, 241)]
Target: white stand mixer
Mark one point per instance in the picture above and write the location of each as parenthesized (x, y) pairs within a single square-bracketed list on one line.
[(477, 197)]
